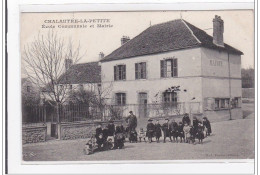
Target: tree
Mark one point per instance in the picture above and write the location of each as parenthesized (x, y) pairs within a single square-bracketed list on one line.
[(248, 77), (94, 98), (46, 60)]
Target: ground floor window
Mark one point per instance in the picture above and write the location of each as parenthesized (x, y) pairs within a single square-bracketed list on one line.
[(120, 98), (236, 102), (224, 103), (221, 103), (170, 97)]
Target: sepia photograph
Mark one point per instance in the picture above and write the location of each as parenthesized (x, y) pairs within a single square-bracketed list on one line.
[(137, 85)]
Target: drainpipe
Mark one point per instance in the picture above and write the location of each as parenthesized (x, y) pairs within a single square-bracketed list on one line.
[(229, 81)]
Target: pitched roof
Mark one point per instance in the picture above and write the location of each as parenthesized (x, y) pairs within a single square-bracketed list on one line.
[(82, 74), (168, 36)]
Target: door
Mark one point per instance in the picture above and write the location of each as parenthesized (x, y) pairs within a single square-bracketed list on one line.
[(143, 104)]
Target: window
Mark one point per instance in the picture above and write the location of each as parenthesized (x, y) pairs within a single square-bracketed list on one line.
[(170, 97), (216, 103), (169, 68), (221, 103), (140, 70), (236, 102), (28, 88), (119, 72), (120, 98)]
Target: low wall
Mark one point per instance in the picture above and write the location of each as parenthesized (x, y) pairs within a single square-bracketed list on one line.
[(222, 115), (75, 130), (34, 134), (248, 92)]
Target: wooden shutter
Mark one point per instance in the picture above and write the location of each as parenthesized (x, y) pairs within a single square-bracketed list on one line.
[(163, 68), (172, 68), (206, 106), (136, 70), (115, 73), (144, 70), (124, 72), (175, 68)]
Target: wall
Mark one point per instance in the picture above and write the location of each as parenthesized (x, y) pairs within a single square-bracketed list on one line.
[(70, 131), (154, 84), (248, 92), (215, 81), (223, 115), (215, 64), (191, 56), (93, 87), (34, 134)]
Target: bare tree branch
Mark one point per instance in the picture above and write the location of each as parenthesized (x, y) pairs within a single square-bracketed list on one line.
[(44, 61)]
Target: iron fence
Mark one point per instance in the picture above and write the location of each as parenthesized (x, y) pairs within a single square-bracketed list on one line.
[(40, 114), (33, 115), (152, 110)]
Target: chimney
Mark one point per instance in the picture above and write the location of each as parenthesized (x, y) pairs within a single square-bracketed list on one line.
[(68, 63), (124, 40), (218, 30), (101, 55)]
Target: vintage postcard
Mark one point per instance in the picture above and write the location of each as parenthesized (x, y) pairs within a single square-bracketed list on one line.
[(137, 86)]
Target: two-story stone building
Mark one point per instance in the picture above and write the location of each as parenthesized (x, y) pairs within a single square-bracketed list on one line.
[(206, 71)]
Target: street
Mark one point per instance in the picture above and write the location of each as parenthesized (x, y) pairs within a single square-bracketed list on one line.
[(230, 140)]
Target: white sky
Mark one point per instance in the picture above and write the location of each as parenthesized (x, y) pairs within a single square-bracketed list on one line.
[(238, 29)]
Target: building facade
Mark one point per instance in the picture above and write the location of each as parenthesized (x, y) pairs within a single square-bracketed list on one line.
[(178, 63)]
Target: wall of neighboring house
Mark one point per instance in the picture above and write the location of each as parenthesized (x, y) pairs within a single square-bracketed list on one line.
[(28, 89), (215, 83), (189, 77), (93, 87)]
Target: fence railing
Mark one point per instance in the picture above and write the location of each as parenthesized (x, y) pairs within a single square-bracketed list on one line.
[(152, 110), (33, 115), (38, 115)]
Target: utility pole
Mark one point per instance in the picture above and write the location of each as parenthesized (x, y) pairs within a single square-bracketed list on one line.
[(229, 81)]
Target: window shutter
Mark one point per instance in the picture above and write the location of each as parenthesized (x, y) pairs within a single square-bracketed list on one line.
[(124, 72), (165, 68), (139, 70), (162, 68), (175, 67), (144, 70), (172, 68), (205, 103), (115, 73), (136, 70)]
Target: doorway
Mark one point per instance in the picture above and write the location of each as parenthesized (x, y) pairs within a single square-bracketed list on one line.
[(142, 104)]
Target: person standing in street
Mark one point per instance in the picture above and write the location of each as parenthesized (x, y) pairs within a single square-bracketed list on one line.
[(150, 130), (132, 121), (157, 130), (166, 130)]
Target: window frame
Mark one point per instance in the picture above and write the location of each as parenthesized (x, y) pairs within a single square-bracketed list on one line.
[(172, 97), (120, 72), (140, 70), (28, 89), (122, 99), (223, 103), (164, 68)]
